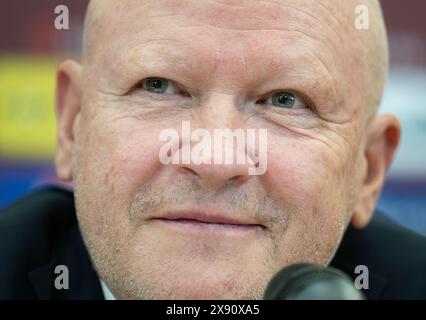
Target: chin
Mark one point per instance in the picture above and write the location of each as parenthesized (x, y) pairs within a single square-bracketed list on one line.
[(207, 293), (175, 285)]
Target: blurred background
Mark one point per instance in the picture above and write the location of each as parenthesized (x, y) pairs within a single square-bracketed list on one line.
[(31, 48)]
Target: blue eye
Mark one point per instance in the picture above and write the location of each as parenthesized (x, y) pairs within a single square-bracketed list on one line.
[(156, 85), (283, 99)]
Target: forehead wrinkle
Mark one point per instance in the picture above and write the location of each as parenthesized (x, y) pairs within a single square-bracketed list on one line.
[(331, 21), (204, 19)]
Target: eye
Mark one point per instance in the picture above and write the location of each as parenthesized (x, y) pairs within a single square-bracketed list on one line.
[(158, 85), (283, 99)]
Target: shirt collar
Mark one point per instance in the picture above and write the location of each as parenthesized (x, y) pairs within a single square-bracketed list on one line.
[(107, 293)]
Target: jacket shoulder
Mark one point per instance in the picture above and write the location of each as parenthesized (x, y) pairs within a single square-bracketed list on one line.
[(394, 255), (29, 229), (38, 205)]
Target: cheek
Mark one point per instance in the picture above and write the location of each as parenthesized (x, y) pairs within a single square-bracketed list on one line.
[(115, 160), (312, 183), (304, 172)]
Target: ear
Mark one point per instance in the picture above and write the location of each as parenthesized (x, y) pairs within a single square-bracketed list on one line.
[(382, 142), (68, 101)]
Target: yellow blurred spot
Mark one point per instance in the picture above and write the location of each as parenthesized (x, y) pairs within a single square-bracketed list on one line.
[(27, 118)]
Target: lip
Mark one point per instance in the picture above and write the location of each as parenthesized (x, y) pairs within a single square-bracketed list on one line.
[(206, 216), (207, 222)]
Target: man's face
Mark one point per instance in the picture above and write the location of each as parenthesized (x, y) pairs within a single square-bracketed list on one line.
[(225, 60)]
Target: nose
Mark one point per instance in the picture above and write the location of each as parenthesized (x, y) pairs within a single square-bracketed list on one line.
[(229, 155), (217, 175)]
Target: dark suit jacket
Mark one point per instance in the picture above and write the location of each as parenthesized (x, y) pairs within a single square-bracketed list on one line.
[(40, 231)]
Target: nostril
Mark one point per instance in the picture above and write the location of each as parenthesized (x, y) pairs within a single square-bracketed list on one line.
[(188, 170), (240, 179)]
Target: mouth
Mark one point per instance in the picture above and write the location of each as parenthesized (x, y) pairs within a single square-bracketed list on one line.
[(207, 223)]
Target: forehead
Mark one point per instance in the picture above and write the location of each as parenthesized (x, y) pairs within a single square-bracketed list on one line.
[(141, 20), (228, 13), (136, 18)]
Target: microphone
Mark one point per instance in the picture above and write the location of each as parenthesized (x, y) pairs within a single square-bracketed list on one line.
[(311, 282)]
